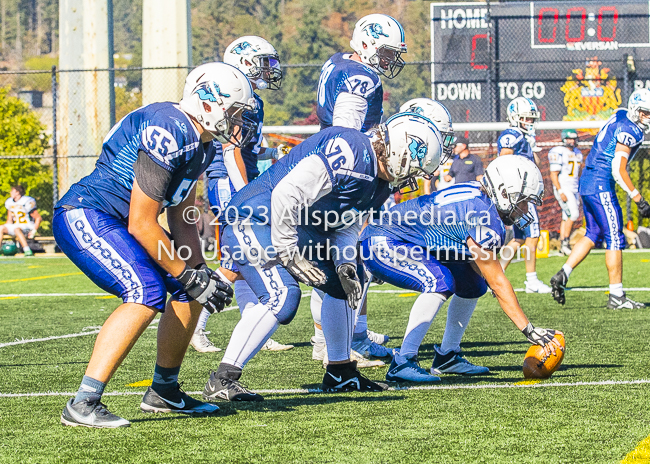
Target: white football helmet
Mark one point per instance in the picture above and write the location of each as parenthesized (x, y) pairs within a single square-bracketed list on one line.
[(639, 101), (413, 148), (510, 182), (258, 59), (435, 112), (520, 109), (219, 97), (378, 39)]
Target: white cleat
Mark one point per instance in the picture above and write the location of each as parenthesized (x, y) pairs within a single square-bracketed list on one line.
[(379, 339), (201, 343), (272, 345), (537, 287)]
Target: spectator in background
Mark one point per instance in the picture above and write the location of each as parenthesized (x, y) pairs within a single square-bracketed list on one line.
[(466, 167), (23, 218), (438, 182)]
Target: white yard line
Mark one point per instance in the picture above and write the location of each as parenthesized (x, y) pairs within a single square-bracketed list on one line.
[(294, 391)]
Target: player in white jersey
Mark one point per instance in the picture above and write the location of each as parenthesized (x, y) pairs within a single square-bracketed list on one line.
[(565, 161), (23, 218)]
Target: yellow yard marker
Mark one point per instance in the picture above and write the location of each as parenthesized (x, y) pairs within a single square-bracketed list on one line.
[(33, 267), (528, 382), (105, 297), (645, 260), (141, 383), (40, 277), (405, 295), (8, 298), (640, 454)]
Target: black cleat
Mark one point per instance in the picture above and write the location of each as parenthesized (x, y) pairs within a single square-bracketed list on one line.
[(174, 400), (558, 286), (228, 389), (346, 378), (89, 413), (623, 302)]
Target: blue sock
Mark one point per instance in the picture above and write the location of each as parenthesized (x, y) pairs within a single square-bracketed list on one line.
[(165, 378), (90, 389)]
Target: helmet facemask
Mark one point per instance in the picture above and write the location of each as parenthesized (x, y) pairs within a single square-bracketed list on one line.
[(448, 142), (265, 72), (387, 61), (526, 126), (238, 125), (641, 117)]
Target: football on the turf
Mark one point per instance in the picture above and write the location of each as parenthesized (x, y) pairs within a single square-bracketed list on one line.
[(537, 365)]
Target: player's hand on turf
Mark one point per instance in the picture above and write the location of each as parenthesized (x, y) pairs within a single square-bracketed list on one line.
[(542, 337), (302, 269), (644, 207), (205, 286), (350, 282)]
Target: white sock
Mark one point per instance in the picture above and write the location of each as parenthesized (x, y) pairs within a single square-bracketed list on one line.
[(531, 277), (616, 289), (338, 321), (253, 330), (316, 305), (244, 295), (26, 249), (361, 326), (424, 310), (458, 315), (203, 320), (567, 270)]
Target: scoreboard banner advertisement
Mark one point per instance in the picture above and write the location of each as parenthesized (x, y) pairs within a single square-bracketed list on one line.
[(577, 60)]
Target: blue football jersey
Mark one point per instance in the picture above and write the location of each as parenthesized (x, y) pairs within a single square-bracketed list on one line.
[(341, 74), (249, 152), (170, 139), (515, 139), (443, 220), (597, 175), (352, 167)]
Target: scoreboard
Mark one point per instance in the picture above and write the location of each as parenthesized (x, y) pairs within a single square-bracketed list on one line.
[(571, 57)]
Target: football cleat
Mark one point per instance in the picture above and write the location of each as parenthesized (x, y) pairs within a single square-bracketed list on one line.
[(537, 287), (623, 302), (92, 414), (405, 369), (346, 378), (174, 400), (319, 353), (368, 348), (201, 343), (379, 339), (272, 345), (28, 253), (558, 286), (454, 363), (228, 390)]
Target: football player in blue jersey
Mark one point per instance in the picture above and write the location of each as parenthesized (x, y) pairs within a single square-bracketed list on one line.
[(300, 222), (350, 94), (445, 244), (234, 168), (107, 225), (519, 139), (615, 145)]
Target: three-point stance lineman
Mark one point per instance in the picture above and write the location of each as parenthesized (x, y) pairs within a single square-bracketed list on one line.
[(616, 143), (107, 225), (321, 191), (445, 244)]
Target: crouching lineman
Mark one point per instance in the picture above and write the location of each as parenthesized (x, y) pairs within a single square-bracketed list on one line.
[(230, 171), (445, 244), (338, 172), (519, 140), (616, 143), (565, 162), (107, 225)]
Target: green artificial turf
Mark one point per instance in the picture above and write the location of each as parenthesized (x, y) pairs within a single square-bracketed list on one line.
[(568, 424)]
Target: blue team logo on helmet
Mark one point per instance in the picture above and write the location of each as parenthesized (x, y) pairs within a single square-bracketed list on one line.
[(205, 93), (374, 30), (418, 149), (511, 107), (243, 48), (417, 110)]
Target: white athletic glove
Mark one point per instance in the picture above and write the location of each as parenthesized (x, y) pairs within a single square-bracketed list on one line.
[(31, 234), (205, 286), (302, 269), (350, 282), (280, 151), (541, 337)]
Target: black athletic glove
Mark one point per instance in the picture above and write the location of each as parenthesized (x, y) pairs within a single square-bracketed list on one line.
[(302, 269), (204, 286), (350, 282), (541, 337), (643, 207)]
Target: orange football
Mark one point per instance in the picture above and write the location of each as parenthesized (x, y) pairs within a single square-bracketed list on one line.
[(537, 365)]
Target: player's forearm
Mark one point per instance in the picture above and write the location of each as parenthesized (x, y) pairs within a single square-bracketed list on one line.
[(235, 166), (555, 179), (621, 176), (506, 151), (152, 237), (507, 299)]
